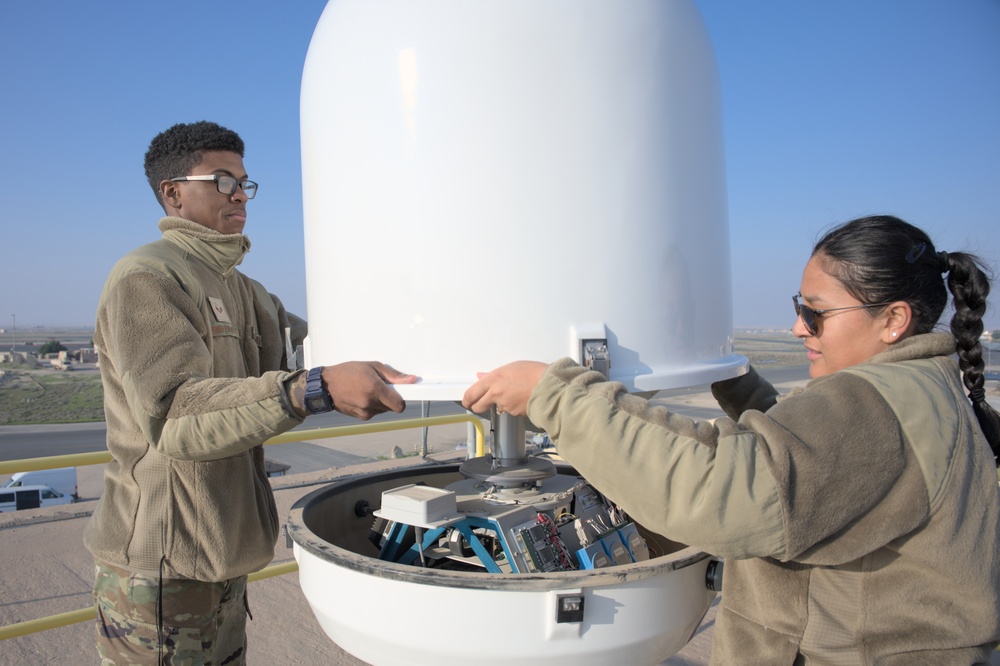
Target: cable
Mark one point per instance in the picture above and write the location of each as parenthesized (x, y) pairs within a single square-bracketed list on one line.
[(159, 612)]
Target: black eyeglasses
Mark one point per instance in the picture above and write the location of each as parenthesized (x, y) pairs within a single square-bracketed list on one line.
[(809, 316), (225, 184)]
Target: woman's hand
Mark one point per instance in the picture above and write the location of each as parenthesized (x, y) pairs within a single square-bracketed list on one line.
[(507, 388)]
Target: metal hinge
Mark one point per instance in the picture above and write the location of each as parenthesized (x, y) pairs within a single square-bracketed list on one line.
[(595, 356)]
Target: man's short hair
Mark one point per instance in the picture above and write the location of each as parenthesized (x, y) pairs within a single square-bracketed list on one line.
[(178, 150)]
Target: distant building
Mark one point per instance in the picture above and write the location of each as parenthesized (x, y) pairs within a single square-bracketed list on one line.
[(86, 355), (19, 357), (62, 361)]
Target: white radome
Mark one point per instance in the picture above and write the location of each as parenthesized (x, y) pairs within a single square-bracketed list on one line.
[(495, 180)]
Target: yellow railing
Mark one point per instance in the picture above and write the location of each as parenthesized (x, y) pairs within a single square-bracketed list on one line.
[(100, 457)]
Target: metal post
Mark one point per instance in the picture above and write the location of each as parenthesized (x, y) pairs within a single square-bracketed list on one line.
[(425, 410), (470, 439), (510, 467), (508, 441)]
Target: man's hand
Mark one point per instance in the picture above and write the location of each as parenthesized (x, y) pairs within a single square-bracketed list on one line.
[(508, 388), (360, 388)]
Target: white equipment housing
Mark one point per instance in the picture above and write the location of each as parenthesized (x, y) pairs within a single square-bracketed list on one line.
[(502, 179)]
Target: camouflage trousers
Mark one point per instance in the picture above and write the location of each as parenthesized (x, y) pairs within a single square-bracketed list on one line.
[(181, 622)]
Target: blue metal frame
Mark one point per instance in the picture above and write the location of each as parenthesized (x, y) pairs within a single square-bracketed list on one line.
[(397, 532)]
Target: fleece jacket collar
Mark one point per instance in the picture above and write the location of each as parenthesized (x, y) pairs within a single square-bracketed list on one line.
[(221, 252), (927, 345)]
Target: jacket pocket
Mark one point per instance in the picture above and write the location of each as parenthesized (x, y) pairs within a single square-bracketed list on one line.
[(223, 522)]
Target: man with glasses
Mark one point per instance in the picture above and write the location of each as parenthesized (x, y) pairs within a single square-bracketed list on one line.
[(195, 372)]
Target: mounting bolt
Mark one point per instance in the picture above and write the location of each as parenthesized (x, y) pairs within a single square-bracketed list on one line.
[(362, 509), (713, 576)]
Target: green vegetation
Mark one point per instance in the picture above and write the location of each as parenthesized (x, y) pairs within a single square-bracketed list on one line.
[(51, 347), (34, 396)]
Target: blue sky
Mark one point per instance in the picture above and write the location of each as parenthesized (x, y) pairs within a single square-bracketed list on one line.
[(832, 110)]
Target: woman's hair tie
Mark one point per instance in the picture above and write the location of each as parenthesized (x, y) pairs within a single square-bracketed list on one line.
[(943, 258), (977, 395)]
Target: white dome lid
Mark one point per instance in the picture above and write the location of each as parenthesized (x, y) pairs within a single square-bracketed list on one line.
[(495, 180)]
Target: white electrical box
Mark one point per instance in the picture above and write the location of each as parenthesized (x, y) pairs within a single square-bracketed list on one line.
[(421, 506)]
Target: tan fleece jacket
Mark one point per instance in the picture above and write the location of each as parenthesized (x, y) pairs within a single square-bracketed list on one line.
[(859, 516), (191, 357)]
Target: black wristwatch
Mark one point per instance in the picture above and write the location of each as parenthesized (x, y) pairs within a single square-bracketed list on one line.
[(318, 400)]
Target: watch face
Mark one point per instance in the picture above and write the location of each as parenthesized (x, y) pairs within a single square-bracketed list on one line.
[(316, 398), (316, 404)]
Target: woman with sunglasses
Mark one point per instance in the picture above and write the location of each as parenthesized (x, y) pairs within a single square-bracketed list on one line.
[(859, 516)]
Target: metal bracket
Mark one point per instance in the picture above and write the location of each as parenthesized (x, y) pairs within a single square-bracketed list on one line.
[(569, 607), (566, 621), (595, 355)]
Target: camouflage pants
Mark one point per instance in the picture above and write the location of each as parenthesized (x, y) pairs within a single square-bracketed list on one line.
[(201, 624)]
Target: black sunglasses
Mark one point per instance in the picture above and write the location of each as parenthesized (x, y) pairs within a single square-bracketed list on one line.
[(809, 316)]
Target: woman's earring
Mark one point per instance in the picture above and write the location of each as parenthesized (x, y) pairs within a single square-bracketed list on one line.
[(894, 334)]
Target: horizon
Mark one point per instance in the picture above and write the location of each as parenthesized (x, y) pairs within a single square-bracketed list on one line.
[(80, 328)]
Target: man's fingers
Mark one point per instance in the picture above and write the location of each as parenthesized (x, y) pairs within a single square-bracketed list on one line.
[(378, 397), (391, 375), (391, 399), (361, 389)]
